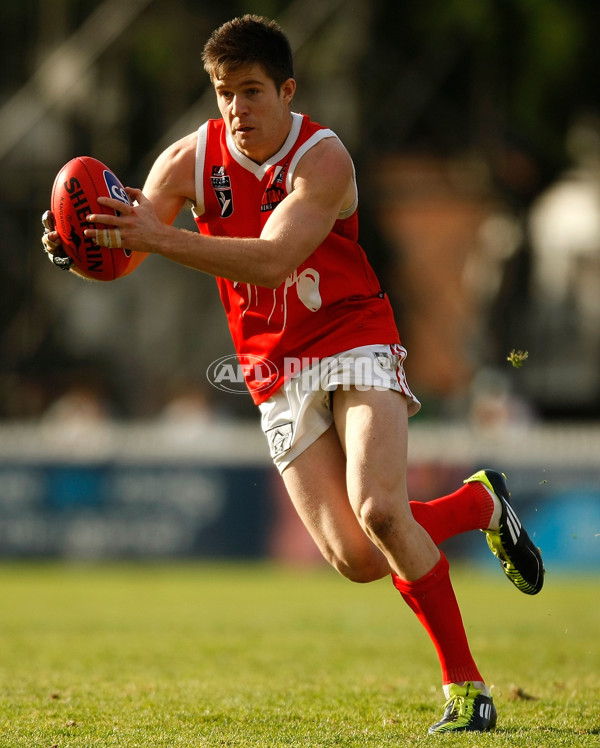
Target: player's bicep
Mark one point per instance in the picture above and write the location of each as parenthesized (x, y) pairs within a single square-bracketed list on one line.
[(170, 182), (299, 224), (302, 221)]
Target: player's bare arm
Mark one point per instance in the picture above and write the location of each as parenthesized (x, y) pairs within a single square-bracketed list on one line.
[(171, 180), (323, 186)]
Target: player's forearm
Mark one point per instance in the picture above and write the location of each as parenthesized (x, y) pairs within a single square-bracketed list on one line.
[(257, 261), (290, 235), (261, 261)]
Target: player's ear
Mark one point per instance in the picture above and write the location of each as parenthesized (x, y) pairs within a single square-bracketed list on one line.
[(288, 89)]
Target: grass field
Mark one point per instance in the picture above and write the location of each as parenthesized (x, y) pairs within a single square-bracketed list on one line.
[(257, 655)]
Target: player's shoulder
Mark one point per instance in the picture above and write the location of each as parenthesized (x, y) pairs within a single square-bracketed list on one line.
[(180, 154), (332, 147), (174, 168), (328, 156)]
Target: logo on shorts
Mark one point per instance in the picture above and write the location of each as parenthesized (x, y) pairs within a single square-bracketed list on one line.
[(384, 360), (235, 374), (279, 438)]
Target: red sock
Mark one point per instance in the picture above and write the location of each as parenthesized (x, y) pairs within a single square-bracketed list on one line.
[(469, 508), (432, 600)]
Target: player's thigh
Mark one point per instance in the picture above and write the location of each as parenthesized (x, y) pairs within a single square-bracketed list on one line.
[(316, 483), (372, 428)]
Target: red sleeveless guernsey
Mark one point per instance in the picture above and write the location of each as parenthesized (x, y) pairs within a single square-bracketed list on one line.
[(332, 302)]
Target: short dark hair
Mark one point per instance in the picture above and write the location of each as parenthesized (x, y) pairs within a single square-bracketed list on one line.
[(249, 40)]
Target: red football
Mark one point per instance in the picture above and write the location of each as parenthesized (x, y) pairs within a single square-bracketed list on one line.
[(74, 196)]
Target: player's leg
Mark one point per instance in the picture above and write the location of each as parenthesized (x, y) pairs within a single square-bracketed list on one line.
[(372, 426), (316, 483), (483, 503), (469, 508), (298, 423)]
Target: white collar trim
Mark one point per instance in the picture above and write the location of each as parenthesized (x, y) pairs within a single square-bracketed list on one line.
[(259, 170)]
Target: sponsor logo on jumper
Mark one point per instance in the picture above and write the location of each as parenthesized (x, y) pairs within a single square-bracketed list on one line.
[(221, 184), (271, 198)]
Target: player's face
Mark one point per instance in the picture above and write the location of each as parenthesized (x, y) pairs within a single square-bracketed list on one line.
[(256, 114)]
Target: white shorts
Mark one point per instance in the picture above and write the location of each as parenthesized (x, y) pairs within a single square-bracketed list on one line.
[(301, 410)]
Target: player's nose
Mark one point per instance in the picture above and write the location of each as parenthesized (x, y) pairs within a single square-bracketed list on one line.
[(239, 105)]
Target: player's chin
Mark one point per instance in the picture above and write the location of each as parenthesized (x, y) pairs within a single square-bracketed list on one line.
[(245, 136)]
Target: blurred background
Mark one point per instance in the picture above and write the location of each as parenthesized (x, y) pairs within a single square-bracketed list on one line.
[(475, 130)]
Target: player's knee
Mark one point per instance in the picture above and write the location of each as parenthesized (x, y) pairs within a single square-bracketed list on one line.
[(359, 569), (360, 574), (379, 523)]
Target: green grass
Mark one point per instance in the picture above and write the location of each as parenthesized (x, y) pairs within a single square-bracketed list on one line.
[(256, 655)]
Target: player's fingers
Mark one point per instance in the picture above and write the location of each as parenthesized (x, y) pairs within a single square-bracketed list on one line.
[(54, 251), (50, 240), (110, 238), (119, 205), (136, 195), (49, 244), (48, 221)]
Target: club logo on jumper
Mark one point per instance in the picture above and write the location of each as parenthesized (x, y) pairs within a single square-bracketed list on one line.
[(221, 184), (234, 374)]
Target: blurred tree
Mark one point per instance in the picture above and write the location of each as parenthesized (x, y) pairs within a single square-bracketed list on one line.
[(454, 75)]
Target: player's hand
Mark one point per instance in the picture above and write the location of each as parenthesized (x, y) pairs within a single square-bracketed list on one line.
[(136, 226), (52, 245)]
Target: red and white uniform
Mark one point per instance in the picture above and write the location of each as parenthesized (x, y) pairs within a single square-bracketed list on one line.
[(332, 302)]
